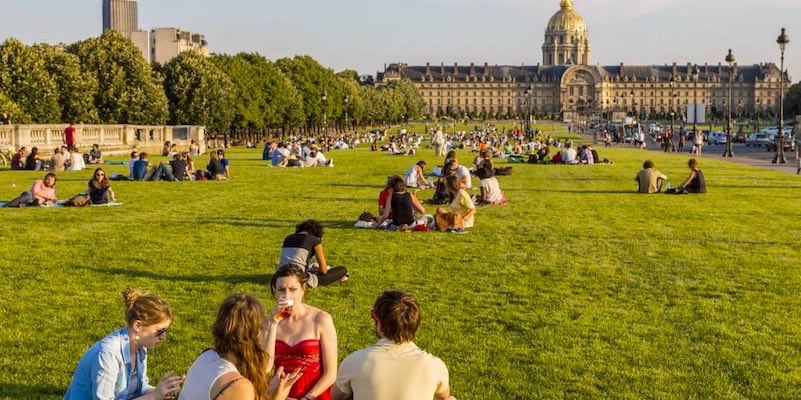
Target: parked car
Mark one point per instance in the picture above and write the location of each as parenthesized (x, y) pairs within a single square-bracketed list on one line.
[(789, 143), (717, 138), (740, 137), (757, 139)]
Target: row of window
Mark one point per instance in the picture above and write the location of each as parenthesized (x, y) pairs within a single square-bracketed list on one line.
[(625, 102)]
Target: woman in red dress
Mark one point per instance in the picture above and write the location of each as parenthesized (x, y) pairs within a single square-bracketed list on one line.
[(306, 338)]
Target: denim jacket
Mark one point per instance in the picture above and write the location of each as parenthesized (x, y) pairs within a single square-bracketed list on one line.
[(102, 372)]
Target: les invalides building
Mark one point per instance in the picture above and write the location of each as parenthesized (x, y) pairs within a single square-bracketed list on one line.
[(566, 85)]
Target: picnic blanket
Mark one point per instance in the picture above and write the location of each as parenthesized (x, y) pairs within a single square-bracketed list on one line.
[(63, 203)]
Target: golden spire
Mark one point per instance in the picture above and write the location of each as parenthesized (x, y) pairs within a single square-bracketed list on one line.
[(566, 4)]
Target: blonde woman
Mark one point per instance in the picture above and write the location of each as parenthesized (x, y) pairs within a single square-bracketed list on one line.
[(116, 366)]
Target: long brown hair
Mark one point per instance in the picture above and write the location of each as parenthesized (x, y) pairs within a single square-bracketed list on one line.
[(102, 184), (238, 331)]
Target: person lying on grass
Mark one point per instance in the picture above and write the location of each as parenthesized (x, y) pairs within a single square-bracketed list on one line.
[(239, 364), (42, 193), (402, 207), (305, 245), (116, 366)]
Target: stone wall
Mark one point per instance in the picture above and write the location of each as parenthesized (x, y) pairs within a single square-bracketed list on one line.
[(108, 137)]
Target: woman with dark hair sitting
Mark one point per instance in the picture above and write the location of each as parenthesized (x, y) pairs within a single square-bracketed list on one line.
[(305, 244), (239, 364), (100, 188), (402, 206), (695, 182)]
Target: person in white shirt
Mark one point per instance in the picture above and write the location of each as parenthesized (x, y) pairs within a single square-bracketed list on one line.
[(569, 154), (415, 176), (438, 142), (490, 189), (374, 372), (465, 179), (76, 160)]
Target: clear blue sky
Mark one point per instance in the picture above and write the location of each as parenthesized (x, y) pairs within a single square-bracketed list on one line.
[(363, 35)]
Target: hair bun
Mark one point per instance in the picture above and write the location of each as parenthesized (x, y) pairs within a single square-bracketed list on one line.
[(130, 296)]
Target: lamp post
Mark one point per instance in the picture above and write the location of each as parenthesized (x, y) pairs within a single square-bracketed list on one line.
[(757, 110), (345, 101), (729, 152), (782, 41), (696, 72), (325, 116), (528, 111), (672, 114)]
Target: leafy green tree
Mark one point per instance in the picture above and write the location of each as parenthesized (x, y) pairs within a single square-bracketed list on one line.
[(198, 92), (76, 88), (792, 102), (313, 80), (14, 111), (249, 101), (129, 92), (25, 80)]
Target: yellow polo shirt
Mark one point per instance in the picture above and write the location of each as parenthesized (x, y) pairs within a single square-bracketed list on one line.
[(392, 371)]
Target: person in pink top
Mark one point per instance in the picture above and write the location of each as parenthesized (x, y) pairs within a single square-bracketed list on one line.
[(42, 193)]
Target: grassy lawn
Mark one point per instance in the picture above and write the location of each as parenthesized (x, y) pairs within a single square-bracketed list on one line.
[(578, 288)]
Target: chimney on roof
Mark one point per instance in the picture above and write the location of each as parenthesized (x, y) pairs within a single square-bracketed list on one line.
[(442, 69), (675, 68), (622, 69), (472, 69), (720, 68), (455, 68), (706, 68), (428, 68)]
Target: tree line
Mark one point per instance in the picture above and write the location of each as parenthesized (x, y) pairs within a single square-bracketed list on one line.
[(106, 80)]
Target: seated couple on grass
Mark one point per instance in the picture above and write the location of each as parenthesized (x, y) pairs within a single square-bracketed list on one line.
[(305, 246), (43, 193)]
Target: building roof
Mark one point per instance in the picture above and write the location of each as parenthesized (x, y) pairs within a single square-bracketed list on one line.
[(553, 73)]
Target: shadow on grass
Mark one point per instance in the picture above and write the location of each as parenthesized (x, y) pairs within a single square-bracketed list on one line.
[(759, 187), (261, 279), (273, 223), (22, 391), (629, 192)]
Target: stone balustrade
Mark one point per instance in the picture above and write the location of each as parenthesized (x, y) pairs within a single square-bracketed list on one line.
[(47, 137)]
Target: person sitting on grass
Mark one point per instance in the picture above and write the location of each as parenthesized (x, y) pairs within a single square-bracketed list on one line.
[(441, 188), (140, 168), (225, 163), (215, 168), (569, 154), (32, 162), (190, 164), (374, 372), (132, 163), (303, 246), (95, 156), (77, 162), (415, 176), (461, 172), (490, 189), (57, 160), (280, 156), (99, 190), (383, 196), (460, 203), (116, 366), (42, 193), (180, 168), (18, 159), (587, 156), (695, 182), (239, 363), (402, 207), (649, 180)]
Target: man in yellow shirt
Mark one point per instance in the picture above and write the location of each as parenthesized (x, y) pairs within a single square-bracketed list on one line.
[(375, 372), (649, 179)]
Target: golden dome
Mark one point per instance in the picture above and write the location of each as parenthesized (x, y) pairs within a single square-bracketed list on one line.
[(566, 19)]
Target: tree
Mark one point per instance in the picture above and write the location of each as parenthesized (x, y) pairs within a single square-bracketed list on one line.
[(14, 111), (76, 88), (128, 92), (24, 79), (792, 102), (198, 92), (313, 80)]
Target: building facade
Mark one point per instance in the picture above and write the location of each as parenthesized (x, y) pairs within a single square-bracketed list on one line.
[(121, 16), (167, 43), (566, 85)]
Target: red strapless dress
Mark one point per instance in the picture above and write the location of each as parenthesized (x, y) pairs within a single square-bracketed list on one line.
[(304, 356)]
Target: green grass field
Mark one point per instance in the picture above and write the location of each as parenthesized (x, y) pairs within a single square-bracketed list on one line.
[(578, 288)]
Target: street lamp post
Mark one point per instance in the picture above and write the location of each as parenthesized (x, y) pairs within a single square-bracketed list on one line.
[(325, 116), (729, 152), (782, 41), (346, 100), (672, 114), (695, 74), (528, 111), (757, 110)]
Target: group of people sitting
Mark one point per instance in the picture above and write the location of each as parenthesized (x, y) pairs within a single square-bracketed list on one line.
[(650, 181), (292, 154), (64, 158), (180, 168), (43, 192)]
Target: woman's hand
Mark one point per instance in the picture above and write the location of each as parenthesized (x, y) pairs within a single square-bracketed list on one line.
[(169, 385), (282, 383), (278, 308)]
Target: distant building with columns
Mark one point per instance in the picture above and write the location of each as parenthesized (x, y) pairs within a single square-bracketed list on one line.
[(565, 84)]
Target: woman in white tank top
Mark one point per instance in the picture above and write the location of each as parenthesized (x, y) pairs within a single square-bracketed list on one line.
[(238, 366)]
